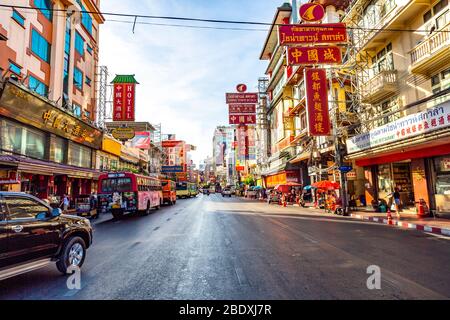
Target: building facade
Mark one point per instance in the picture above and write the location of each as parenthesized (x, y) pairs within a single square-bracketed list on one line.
[(48, 98)]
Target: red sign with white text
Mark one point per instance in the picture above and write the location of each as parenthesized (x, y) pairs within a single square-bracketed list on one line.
[(124, 102), (314, 55), (242, 118), (242, 98), (312, 33), (242, 139), (317, 102), (241, 108)]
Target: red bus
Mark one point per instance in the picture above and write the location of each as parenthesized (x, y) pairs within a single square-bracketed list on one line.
[(169, 188), (131, 193)]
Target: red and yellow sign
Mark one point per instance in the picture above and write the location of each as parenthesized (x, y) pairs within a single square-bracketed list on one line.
[(311, 12), (124, 98), (241, 88), (312, 33), (317, 102), (314, 55), (242, 118)]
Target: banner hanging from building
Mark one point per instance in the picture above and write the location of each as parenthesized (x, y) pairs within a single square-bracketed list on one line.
[(317, 102), (141, 140)]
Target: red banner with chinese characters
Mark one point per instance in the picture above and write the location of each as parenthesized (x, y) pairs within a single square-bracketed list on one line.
[(124, 102), (242, 98), (312, 33), (317, 102), (242, 118), (314, 55), (242, 142)]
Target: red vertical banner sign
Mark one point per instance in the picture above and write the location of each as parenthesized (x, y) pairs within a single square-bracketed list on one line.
[(118, 106), (242, 142), (317, 102), (129, 101), (124, 102)]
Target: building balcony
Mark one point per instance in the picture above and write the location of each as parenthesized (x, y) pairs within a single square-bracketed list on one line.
[(380, 86), (431, 54)]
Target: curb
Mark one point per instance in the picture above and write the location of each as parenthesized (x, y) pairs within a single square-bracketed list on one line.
[(405, 225)]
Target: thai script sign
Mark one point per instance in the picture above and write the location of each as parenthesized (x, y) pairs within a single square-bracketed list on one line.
[(412, 125), (312, 33)]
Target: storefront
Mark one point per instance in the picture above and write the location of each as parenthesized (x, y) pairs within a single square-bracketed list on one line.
[(50, 151), (282, 178), (411, 154), (108, 157)]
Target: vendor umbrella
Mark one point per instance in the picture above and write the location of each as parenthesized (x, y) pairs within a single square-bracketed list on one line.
[(327, 185)]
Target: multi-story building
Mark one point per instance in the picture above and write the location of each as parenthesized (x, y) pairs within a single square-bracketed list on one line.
[(402, 64), (48, 62)]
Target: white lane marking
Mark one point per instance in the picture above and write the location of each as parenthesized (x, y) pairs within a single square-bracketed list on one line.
[(438, 236)]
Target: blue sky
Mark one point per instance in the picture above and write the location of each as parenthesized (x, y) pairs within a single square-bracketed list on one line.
[(184, 72)]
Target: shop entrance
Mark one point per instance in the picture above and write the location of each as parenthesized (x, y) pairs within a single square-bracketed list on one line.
[(396, 175)]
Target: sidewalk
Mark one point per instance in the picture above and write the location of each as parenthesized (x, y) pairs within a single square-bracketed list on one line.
[(407, 221)]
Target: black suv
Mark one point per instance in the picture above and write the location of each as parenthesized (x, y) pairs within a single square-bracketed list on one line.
[(33, 235)]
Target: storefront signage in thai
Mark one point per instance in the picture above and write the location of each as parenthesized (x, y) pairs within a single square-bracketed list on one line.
[(25, 107), (317, 102), (407, 127), (312, 33), (311, 12), (314, 55), (233, 98), (124, 101)]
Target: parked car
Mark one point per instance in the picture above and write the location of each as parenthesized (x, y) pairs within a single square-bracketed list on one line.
[(251, 193), (33, 235), (226, 192)]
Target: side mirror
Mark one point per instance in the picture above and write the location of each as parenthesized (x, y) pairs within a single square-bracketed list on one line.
[(56, 212), (41, 216)]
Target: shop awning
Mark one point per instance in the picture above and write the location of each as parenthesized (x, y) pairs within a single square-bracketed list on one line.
[(48, 168)]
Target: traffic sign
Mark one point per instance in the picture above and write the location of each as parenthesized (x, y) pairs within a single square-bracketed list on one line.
[(345, 169)]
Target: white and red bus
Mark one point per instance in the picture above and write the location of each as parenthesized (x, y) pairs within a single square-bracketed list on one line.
[(130, 193)]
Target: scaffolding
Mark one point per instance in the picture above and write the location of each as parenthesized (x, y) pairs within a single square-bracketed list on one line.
[(104, 94)]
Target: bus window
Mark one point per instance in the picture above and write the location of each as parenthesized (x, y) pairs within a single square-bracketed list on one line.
[(116, 185)]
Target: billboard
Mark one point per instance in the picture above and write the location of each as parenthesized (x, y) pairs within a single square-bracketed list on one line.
[(141, 140), (124, 102), (317, 102)]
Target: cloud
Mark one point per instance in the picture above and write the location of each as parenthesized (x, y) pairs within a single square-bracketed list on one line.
[(185, 72)]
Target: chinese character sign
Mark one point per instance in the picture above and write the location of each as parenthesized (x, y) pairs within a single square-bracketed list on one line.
[(242, 138), (317, 102), (242, 119), (242, 108), (314, 55), (124, 101), (242, 98)]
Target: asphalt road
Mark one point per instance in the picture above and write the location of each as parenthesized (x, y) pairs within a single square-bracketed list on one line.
[(222, 248)]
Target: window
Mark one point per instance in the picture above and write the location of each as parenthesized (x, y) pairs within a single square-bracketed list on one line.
[(79, 156), (59, 149), (439, 6), (383, 60), (76, 110), (78, 78), (45, 8), (18, 18), (441, 20), (86, 19), (88, 81), (89, 49), (440, 81), (79, 43), (40, 46), (87, 114), (37, 86), (15, 68), (23, 208), (35, 144)]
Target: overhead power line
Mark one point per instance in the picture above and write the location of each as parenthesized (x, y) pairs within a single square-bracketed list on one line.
[(210, 20)]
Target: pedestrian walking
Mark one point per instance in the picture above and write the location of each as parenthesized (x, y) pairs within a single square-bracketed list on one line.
[(65, 202), (396, 201)]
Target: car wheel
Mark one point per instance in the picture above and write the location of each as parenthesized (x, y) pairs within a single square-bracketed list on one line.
[(73, 254)]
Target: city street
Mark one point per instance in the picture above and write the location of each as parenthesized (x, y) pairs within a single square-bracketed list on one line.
[(212, 247)]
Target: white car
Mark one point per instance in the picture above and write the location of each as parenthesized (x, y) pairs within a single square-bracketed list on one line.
[(226, 192)]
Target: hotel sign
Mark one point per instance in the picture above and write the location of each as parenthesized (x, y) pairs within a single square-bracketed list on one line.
[(312, 33), (23, 106), (124, 101)]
